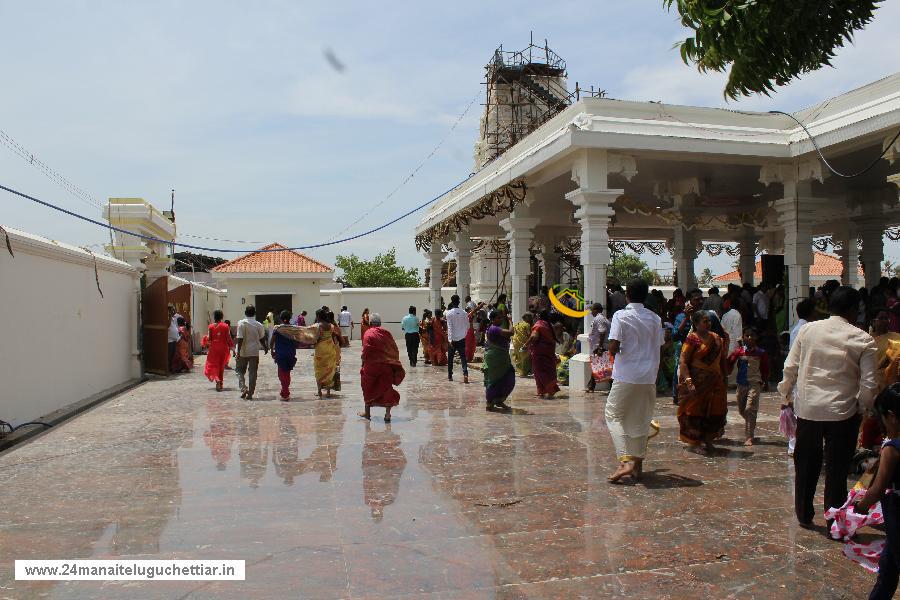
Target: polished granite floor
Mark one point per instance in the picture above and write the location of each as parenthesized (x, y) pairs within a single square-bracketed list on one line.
[(448, 501)]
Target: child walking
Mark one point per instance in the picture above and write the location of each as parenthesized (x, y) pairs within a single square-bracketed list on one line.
[(752, 378), (886, 488), (284, 352)]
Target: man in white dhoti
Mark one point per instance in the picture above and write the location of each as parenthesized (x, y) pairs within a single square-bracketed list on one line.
[(635, 336)]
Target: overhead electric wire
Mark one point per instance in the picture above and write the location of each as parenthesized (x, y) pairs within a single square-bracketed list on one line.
[(225, 250), (215, 239), (825, 160), (418, 168), (29, 157)]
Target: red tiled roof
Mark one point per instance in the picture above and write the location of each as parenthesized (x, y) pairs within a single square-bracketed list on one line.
[(287, 261), (824, 265)]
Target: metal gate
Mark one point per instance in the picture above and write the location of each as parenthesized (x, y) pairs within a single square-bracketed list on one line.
[(155, 319)]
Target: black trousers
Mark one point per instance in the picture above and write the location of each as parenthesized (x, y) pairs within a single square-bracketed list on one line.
[(457, 346), (412, 347), (839, 438)]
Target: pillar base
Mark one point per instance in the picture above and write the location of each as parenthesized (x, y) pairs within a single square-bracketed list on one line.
[(580, 367)]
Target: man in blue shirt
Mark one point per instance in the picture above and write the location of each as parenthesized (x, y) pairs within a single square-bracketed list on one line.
[(410, 325)]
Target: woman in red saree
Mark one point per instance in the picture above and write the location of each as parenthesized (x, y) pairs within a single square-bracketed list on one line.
[(702, 393), (220, 344), (183, 361), (381, 369), (542, 347), (438, 341)]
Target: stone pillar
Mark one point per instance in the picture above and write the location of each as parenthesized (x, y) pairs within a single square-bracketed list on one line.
[(795, 212), (747, 260), (520, 233), (871, 232), (463, 245), (685, 252), (844, 235), (593, 199), (549, 261), (435, 262), (594, 210)]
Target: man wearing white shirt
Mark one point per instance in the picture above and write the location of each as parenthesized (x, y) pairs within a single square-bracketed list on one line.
[(761, 306), (345, 322), (832, 366), (733, 324), (172, 335), (457, 326), (251, 338), (635, 337)]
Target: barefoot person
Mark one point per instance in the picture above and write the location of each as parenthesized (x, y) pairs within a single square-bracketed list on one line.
[(521, 333), (325, 356), (381, 369), (499, 374), (702, 394), (284, 353), (457, 329), (542, 348), (752, 378), (184, 357), (635, 337), (220, 344)]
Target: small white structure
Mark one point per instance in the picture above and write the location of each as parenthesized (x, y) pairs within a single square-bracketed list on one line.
[(392, 304), (272, 281)]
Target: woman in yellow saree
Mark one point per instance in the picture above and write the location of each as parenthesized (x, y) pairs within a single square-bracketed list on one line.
[(326, 355), (702, 394), (521, 357)]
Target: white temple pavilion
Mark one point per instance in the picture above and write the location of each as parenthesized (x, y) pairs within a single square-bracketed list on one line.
[(604, 171)]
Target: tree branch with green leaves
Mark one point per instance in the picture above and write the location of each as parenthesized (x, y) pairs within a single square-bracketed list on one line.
[(767, 43), (382, 271)]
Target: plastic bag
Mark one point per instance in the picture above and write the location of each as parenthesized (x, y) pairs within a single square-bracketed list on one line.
[(847, 521), (602, 366), (867, 555), (787, 423)]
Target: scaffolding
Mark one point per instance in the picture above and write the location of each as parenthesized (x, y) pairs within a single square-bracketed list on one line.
[(524, 89)]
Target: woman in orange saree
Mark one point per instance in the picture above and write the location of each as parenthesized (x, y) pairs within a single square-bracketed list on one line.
[(183, 361), (220, 344), (542, 347), (438, 341), (703, 407), (363, 323), (381, 370), (425, 335)]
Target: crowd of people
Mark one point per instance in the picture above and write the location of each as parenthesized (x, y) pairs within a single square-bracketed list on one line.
[(838, 371), (837, 368)]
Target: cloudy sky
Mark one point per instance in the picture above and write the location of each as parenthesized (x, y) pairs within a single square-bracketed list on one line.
[(285, 121)]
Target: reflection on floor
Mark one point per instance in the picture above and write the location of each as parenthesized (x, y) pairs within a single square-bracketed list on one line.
[(447, 500)]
